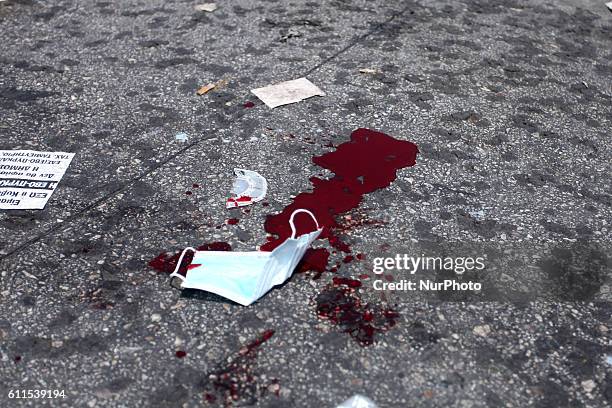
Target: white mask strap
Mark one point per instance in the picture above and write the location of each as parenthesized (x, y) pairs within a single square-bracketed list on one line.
[(175, 274), (301, 210)]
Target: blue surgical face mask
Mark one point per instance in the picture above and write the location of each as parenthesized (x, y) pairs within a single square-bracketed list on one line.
[(244, 277)]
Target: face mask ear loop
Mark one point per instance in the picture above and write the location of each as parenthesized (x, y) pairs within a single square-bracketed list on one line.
[(301, 210), (175, 274)]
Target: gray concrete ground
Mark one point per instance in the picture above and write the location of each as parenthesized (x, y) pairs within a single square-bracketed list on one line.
[(508, 101)]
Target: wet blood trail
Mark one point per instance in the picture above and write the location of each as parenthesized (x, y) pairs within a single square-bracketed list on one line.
[(166, 263), (341, 304), (237, 380), (366, 163)]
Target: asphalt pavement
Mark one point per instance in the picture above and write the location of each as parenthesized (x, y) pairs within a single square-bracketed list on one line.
[(509, 103)]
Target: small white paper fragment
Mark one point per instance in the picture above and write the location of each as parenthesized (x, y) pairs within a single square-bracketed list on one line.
[(181, 137), (28, 178), (370, 71), (287, 92), (208, 7), (358, 401), (609, 5)]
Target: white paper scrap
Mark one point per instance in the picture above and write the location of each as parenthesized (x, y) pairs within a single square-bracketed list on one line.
[(287, 92), (358, 401), (209, 7), (609, 5), (28, 178)]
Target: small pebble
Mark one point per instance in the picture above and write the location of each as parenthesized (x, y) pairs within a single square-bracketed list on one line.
[(482, 331)]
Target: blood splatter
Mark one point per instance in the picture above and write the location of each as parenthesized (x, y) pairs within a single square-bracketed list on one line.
[(232, 221), (237, 380), (351, 283), (366, 163), (249, 348), (195, 185), (166, 262), (180, 354), (188, 192), (356, 219), (248, 104), (340, 304), (348, 259), (17, 359)]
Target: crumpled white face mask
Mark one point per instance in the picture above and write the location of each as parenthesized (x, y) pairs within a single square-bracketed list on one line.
[(244, 277), (248, 188)]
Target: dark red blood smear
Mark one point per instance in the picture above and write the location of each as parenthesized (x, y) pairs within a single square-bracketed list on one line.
[(193, 266), (341, 305), (237, 380), (166, 263), (180, 354), (314, 260), (232, 221), (188, 192), (348, 259), (17, 359), (364, 276), (265, 336), (248, 104), (196, 185), (361, 257), (351, 283), (366, 163)]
